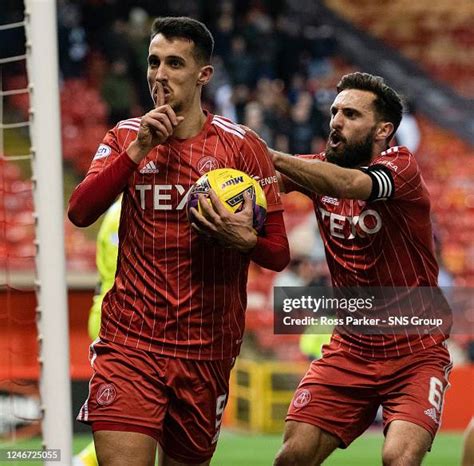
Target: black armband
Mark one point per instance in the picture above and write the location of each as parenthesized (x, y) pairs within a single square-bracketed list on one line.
[(383, 186)]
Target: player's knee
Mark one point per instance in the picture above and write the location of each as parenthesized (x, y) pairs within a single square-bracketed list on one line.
[(402, 455), (291, 454)]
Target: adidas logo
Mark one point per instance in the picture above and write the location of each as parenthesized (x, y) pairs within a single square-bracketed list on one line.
[(431, 412), (150, 167)]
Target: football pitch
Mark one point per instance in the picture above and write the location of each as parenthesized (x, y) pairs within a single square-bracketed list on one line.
[(259, 450), (247, 449)]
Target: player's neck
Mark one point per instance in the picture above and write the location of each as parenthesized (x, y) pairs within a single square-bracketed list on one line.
[(377, 150), (192, 124)]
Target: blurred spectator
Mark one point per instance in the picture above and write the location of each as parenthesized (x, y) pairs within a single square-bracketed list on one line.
[(323, 98), (270, 94), (254, 119), (290, 276), (241, 64), (138, 30), (265, 48), (322, 41), (72, 40), (408, 133), (322, 44), (303, 271), (184, 8), (114, 42), (223, 34), (297, 86), (305, 125), (240, 98), (224, 102), (118, 92), (288, 42)]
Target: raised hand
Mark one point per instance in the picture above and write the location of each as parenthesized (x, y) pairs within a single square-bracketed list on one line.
[(155, 127)]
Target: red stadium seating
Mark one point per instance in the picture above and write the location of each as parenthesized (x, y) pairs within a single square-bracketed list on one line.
[(436, 35)]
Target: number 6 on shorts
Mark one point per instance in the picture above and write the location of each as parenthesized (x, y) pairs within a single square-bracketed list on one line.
[(435, 396)]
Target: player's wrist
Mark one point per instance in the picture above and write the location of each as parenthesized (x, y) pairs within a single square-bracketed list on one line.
[(248, 244), (136, 151)]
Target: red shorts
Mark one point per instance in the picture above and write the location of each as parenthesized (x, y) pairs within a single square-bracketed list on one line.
[(178, 402), (341, 392)]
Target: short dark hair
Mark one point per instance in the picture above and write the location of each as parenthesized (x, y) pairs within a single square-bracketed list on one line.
[(388, 104), (187, 28)]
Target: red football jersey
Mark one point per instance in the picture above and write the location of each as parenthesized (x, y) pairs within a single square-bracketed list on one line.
[(175, 292), (386, 242)]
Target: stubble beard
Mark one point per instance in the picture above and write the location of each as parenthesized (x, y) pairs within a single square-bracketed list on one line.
[(352, 155), (177, 107)]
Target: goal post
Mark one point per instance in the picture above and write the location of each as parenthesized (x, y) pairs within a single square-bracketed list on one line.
[(52, 315)]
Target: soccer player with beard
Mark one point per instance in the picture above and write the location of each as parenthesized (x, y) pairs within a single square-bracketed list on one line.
[(173, 322), (373, 211)]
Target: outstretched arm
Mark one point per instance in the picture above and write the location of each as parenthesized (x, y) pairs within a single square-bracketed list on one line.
[(324, 178)]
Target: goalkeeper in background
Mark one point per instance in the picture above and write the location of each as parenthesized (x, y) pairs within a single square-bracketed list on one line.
[(106, 261)]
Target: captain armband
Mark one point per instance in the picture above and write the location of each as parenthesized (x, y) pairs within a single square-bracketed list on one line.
[(383, 186)]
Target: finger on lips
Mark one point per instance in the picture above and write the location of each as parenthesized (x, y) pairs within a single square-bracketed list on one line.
[(160, 95)]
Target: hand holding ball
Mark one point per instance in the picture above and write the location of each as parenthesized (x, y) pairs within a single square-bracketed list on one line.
[(229, 186)]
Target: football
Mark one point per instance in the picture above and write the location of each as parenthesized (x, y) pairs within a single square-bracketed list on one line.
[(230, 185)]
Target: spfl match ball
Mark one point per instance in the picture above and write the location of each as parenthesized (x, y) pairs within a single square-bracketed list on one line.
[(230, 185)]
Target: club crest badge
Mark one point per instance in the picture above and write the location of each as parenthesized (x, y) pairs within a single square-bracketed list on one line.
[(106, 394), (206, 164), (301, 398)]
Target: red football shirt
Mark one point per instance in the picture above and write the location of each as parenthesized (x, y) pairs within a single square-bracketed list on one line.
[(387, 242), (176, 293)]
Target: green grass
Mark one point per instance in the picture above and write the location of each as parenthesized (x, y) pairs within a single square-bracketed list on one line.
[(259, 450), (246, 449)]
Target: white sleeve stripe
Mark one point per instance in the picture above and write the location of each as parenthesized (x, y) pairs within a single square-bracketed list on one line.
[(225, 128), (229, 125), (135, 128), (129, 122)]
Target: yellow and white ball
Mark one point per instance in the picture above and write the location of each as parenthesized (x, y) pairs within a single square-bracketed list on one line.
[(230, 185)]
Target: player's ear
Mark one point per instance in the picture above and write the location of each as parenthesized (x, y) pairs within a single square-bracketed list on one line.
[(384, 130), (205, 75)]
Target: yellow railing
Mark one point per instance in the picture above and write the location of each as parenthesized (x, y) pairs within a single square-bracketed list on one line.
[(260, 393)]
